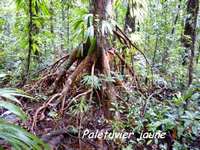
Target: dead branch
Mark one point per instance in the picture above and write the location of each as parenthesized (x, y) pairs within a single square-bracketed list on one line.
[(49, 67), (128, 42), (53, 65)]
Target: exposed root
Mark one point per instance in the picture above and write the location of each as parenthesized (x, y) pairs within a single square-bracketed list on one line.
[(44, 106), (91, 64), (48, 75), (76, 97), (53, 67), (82, 67), (41, 82)]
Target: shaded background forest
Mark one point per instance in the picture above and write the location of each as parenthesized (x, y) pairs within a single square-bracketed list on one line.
[(159, 73)]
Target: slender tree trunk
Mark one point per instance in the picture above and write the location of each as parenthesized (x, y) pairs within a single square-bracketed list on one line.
[(189, 37), (62, 35), (176, 18), (51, 18), (35, 32), (169, 42), (68, 27), (30, 42), (52, 28)]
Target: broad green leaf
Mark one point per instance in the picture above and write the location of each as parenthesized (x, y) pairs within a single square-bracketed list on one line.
[(19, 138), (10, 93), (14, 109)]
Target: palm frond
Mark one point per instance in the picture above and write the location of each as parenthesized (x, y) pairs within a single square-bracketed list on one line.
[(19, 138)]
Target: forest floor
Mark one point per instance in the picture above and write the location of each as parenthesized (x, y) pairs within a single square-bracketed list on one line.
[(58, 124), (61, 121)]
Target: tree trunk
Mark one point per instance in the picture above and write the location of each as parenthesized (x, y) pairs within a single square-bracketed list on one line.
[(100, 8), (68, 27), (52, 21), (33, 30), (189, 37), (98, 57), (30, 42), (62, 34), (169, 42)]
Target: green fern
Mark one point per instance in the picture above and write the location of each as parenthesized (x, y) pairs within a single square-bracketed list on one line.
[(92, 81)]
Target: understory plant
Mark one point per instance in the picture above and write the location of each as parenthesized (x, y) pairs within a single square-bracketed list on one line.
[(15, 136)]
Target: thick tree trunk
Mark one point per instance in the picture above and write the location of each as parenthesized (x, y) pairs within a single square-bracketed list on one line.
[(98, 56), (100, 8), (189, 37)]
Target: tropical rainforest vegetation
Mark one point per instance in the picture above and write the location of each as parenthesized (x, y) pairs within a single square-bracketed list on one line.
[(106, 65)]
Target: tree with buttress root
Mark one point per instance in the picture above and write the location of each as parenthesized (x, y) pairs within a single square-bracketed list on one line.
[(96, 61)]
